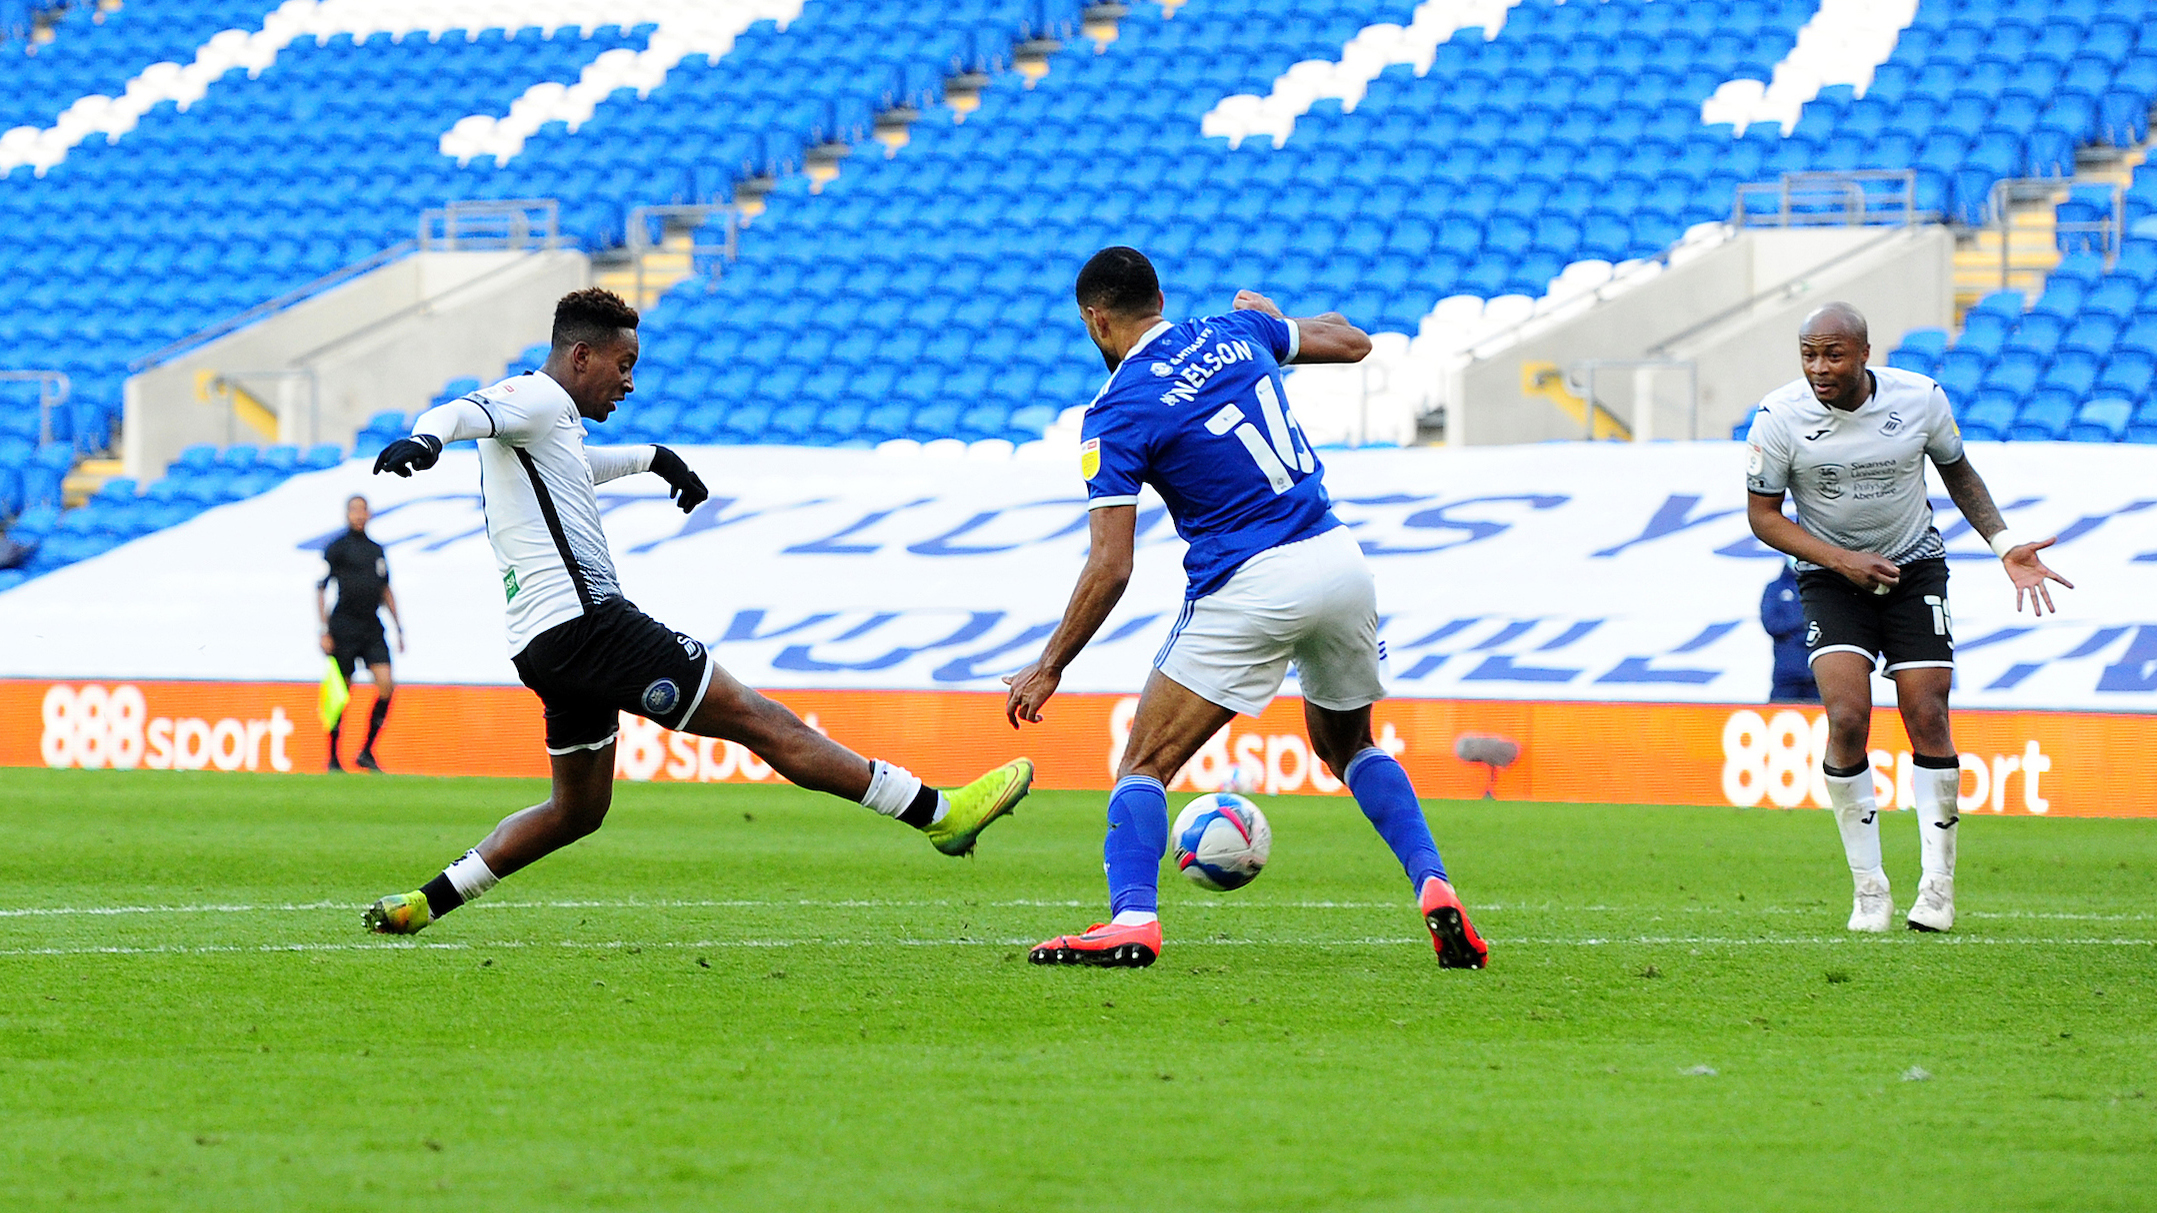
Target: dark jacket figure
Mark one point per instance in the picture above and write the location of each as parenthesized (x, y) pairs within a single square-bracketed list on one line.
[(1784, 618)]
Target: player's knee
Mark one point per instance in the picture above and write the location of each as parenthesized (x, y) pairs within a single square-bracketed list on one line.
[(1848, 723), (582, 815), (1927, 725)]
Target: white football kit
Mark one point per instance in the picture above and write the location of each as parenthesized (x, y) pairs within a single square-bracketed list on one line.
[(536, 477), (1858, 476)]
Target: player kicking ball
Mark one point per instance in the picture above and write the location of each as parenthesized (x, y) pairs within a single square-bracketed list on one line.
[(1195, 409), (1850, 445), (591, 655)]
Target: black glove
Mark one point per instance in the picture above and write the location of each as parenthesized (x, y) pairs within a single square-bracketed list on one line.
[(405, 454), (683, 484)]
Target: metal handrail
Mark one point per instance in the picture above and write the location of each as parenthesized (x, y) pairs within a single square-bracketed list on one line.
[(53, 390), (1580, 378), (1783, 290), (2008, 191), (1846, 187), (487, 225), (698, 216), (240, 320), (233, 383)]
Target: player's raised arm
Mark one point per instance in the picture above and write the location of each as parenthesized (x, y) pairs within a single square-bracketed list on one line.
[(434, 429), (1101, 583), (2017, 555), (1324, 338)]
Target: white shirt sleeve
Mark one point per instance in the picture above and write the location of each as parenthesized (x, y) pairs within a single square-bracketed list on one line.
[(1943, 438), (1767, 455), (614, 462), (454, 421)]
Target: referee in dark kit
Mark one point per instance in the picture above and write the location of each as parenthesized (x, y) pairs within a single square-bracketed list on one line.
[(352, 629)]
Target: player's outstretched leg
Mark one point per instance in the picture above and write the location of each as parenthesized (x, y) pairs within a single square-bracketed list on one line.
[(1171, 724), (584, 790), (1383, 791), (952, 820)]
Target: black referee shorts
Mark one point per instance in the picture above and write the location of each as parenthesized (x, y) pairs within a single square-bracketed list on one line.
[(352, 647), (1909, 625), (612, 659)]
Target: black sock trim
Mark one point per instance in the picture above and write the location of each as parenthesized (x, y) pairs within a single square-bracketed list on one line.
[(1832, 771), (442, 896), (922, 813), (1930, 763)]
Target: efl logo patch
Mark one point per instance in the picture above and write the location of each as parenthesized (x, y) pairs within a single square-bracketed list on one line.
[(509, 585), (661, 696), (1754, 460), (1089, 458)]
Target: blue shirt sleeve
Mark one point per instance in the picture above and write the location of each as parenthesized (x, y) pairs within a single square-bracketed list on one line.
[(1113, 455), (1277, 335)]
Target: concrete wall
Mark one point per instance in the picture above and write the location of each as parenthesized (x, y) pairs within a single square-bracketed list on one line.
[(1901, 278), (1908, 284), (387, 340)]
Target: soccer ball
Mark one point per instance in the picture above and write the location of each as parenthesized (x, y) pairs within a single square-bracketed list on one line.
[(1222, 841)]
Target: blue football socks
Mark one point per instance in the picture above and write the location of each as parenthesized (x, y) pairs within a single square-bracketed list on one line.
[(1381, 788), (1138, 837)]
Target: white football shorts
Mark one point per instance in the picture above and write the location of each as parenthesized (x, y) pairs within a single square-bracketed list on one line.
[(1312, 602)]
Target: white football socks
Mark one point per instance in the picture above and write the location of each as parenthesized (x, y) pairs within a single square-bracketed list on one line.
[(893, 789), (1133, 918), (1938, 790), (471, 876), (1859, 820)]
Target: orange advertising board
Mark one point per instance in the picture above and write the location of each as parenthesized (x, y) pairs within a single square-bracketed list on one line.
[(2056, 763)]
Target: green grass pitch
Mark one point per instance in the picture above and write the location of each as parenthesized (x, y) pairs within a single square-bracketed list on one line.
[(758, 999)]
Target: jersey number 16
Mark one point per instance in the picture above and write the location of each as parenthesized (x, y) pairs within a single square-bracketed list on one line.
[(1285, 451)]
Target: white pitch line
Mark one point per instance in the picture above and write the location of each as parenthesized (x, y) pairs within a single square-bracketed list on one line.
[(733, 904), (1364, 941)]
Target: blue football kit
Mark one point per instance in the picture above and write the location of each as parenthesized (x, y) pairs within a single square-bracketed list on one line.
[(1198, 412)]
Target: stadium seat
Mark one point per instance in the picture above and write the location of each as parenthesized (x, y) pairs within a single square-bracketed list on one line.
[(2101, 421), (2043, 418)]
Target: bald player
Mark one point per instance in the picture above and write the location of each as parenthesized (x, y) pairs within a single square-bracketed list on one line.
[(1850, 444)]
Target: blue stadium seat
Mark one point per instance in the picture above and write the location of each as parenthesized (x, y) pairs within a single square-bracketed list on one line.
[(2142, 426), (2101, 421), (2044, 418)]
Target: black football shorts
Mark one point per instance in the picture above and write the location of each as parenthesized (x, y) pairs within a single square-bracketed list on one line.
[(355, 645), (1909, 625), (612, 659)]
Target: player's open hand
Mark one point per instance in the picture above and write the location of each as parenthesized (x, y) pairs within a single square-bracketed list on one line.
[(1869, 572), (407, 455), (1030, 688), (1252, 301), (2030, 575), (682, 484)]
